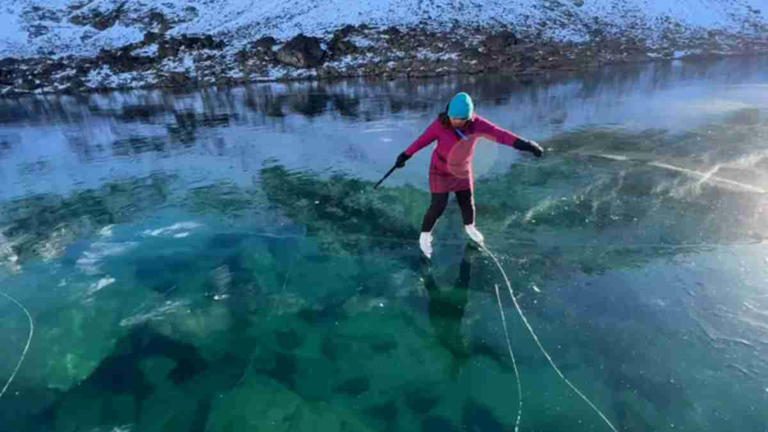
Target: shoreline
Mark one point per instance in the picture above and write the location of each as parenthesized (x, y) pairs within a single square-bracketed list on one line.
[(193, 62)]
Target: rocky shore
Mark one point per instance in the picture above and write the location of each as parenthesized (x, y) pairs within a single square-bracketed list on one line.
[(162, 60)]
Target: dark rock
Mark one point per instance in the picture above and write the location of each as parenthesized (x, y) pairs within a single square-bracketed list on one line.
[(206, 42), (288, 339), (500, 41), (386, 413), (191, 12), (329, 349), (420, 401), (159, 21), (340, 46), (9, 62), (50, 68), (98, 20), (346, 30), (261, 49), (176, 79), (354, 386), (151, 37), (123, 60), (392, 31), (476, 417), (243, 56), (104, 22), (41, 14), (28, 84), (85, 66), (284, 370), (219, 242), (302, 52), (383, 347), (9, 67), (170, 47), (437, 424), (265, 43)]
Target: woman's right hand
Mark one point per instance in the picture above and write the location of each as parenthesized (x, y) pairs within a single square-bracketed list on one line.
[(401, 159)]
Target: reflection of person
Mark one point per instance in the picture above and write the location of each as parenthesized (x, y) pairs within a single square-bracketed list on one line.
[(446, 308), (456, 131)]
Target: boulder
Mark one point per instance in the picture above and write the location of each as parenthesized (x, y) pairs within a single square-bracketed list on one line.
[(500, 41), (260, 49), (9, 67), (340, 46), (98, 19), (152, 37), (123, 60), (170, 47), (176, 79), (260, 404), (159, 21), (265, 43), (302, 52)]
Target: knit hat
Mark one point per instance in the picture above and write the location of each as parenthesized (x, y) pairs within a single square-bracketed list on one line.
[(461, 107)]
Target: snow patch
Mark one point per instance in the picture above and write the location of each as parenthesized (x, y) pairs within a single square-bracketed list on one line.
[(147, 51), (185, 63), (424, 54), (362, 41), (105, 77)]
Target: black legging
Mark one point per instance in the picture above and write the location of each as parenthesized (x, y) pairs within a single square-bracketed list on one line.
[(440, 200)]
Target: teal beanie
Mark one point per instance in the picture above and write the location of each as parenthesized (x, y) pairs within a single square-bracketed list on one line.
[(461, 107)]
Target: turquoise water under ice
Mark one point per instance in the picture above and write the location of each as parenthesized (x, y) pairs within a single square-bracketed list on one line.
[(218, 261)]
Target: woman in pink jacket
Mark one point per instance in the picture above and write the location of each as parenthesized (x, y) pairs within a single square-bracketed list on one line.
[(456, 131)]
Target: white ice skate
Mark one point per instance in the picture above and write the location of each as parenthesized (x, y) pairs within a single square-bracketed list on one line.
[(475, 235), (425, 243)]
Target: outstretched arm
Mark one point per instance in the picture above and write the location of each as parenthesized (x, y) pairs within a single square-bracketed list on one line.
[(505, 137), (426, 138), (489, 130)]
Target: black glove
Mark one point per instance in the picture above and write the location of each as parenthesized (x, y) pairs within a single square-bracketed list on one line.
[(401, 158), (529, 146)]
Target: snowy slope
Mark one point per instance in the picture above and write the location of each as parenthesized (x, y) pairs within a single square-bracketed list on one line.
[(46, 27)]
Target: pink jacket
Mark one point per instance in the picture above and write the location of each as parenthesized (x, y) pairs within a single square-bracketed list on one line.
[(451, 166)]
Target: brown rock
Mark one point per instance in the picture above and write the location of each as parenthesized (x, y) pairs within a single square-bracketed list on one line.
[(170, 47), (176, 79), (265, 43), (500, 41), (340, 46), (302, 52), (100, 21), (345, 31), (151, 37), (159, 21), (123, 60)]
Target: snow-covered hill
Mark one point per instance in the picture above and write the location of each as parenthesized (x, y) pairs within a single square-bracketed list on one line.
[(35, 27), (448, 31)]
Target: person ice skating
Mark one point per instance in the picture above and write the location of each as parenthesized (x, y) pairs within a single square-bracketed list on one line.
[(456, 131)]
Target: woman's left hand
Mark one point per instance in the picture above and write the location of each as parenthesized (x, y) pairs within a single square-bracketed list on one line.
[(529, 146)]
